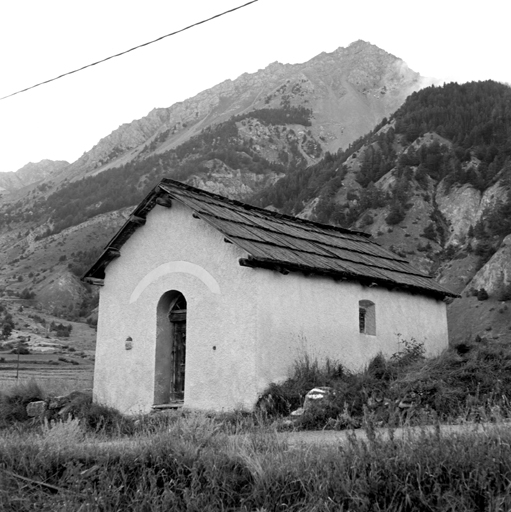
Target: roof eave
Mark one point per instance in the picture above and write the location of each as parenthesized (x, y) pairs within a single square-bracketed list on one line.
[(96, 272), (286, 267)]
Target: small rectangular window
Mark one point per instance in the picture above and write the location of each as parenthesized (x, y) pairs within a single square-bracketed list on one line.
[(362, 319), (367, 317)]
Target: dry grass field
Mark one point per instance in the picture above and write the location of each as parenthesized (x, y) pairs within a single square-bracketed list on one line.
[(61, 363), (73, 374)]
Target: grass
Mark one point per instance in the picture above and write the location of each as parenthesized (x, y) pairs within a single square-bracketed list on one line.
[(467, 382), (55, 385), (195, 465), (13, 403), (98, 460)]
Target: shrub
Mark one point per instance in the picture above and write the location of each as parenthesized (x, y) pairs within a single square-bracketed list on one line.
[(97, 417), (20, 350), (13, 402), (379, 368), (279, 399), (465, 382), (396, 215), (482, 294), (367, 220), (505, 293), (411, 352), (484, 250), (27, 294), (430, 232)]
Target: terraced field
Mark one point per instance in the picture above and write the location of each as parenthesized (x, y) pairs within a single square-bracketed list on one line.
[(74, 371)]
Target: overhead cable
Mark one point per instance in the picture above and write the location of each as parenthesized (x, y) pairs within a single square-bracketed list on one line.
[(130, 50)]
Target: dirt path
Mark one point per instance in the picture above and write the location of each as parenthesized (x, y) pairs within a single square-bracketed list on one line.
[(332, 437), (311, 438)]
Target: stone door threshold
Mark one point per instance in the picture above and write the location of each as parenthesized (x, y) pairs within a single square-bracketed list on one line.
[(172, 405)]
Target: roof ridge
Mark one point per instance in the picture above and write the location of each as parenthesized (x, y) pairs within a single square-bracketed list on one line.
[(263, 211)]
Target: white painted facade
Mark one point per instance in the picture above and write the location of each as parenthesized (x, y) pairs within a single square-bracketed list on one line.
[(245, 327)]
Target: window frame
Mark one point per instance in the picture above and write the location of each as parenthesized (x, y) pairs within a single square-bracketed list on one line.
[(367, 317)]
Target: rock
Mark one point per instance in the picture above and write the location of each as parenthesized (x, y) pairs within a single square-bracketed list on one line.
[(60, 407), (36, 409), (318, 396), (463, 206), (60, 402), (495, 275), (56, 402)]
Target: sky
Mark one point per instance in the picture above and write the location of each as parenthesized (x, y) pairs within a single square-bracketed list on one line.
[(450, 40)]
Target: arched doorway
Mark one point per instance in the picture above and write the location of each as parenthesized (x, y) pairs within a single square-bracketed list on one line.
[(170, 364)]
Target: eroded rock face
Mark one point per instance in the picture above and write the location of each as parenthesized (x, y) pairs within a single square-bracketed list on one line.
[(232, 182), (496, 274), (463, 207)]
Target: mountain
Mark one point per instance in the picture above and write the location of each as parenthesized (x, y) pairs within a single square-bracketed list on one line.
[(30, 173), (333, 140), (433, 183), (348, 91), (236, 139)]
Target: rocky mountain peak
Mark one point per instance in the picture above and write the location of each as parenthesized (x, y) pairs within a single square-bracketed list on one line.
[(31, 173), (348, 90)]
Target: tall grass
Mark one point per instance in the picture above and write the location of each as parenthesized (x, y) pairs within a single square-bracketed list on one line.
[(98, 460), (472, 382), (196, 466)]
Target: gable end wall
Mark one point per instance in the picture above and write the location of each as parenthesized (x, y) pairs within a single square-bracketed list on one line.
[(175, 251)]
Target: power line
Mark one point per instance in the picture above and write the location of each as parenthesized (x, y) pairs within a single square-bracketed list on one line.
[(127, 51)]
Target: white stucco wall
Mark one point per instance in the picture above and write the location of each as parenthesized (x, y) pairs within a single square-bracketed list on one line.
[(245, 327), (175, 251), (319, 317)]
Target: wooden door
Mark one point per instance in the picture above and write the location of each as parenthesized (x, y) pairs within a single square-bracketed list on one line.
[(177, 317), (178, 360)]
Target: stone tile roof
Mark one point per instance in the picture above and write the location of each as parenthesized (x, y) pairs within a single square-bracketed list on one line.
[(280, 242)]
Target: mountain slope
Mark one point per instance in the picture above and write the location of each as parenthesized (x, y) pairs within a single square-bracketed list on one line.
[(432, 183), (30, 173), (235, 139), (348, 90)]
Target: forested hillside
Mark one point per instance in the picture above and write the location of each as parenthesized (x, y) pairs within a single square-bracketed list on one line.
[(475, 121), (433, 183)]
